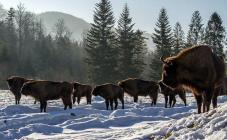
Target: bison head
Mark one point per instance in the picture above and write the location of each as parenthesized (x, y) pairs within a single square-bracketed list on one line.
[(76, 85), (96, 91), (169, 73), (26, 89)]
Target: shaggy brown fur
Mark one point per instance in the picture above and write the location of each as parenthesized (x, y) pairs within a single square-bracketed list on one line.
[(81, 90), (137, 87), (110, 93), (15, 84), (48, 90), (197, 69), (171, 94)]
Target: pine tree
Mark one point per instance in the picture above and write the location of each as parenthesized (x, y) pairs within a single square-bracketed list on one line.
[(178, 38), (195, 32), (101, 45), (215, 34), (163, 42)]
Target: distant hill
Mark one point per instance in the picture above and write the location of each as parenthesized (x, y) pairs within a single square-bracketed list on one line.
[(76, 25)]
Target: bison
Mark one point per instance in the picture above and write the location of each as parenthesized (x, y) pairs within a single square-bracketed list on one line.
[(81, 90), (15, 84), (197, 69), (110, 93), (43, 91), (168, 92), (136, 87)]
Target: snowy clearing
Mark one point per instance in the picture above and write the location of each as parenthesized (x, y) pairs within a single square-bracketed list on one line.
[(136, 121)]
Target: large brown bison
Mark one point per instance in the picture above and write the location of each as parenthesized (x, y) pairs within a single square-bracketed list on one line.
[(43, 91), (136, 87), (197, 69), (81, 90), (15, 84), (171, 94), (110, 93)]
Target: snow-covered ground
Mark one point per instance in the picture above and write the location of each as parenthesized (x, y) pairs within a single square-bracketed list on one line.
[(136, 121)]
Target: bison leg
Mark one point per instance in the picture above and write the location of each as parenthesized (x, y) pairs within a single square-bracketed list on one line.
[(78, 100), (17, 98), (135, 99), (88, 99), (183, 98), (166, 101), (214, 99), (207, 99), (74, 99), (111, 104), (153, 101), (122, 102), (70, 105), (116, 103), (172, 100), (67, 102), (43, 105), (107, 104), (199, 101)]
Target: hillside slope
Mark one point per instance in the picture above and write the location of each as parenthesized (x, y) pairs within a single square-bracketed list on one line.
[(76, 25)]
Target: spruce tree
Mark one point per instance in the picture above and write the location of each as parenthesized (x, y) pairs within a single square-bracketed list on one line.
[(139, 52), (11, 35), (101, 45), (178, 38), (195, 32), (125, 38), (163, 42), (215, 34)]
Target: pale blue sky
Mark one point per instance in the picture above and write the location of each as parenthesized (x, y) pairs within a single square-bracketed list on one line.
[(144, 12)]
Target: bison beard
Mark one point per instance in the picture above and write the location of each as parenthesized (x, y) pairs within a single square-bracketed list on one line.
[(137, 87), (81, 90), (15, 84), (197, 69), (47, 90), (110, 93)]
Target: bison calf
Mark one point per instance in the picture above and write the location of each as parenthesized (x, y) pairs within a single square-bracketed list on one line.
[(48, 90), (81, 90), (137, 87), (110, 93), (15, 84), (171, 94)]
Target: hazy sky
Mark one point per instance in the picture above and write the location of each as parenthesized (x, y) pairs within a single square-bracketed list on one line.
[(144, 12)]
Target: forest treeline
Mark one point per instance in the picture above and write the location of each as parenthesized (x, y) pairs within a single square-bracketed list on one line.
[(111, 50)]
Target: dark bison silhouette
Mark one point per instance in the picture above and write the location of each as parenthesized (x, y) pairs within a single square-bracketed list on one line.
[(15, 84), (136, 87), (197, 69), (110, 93), (171, 94), (81, 90), (43, 91)]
